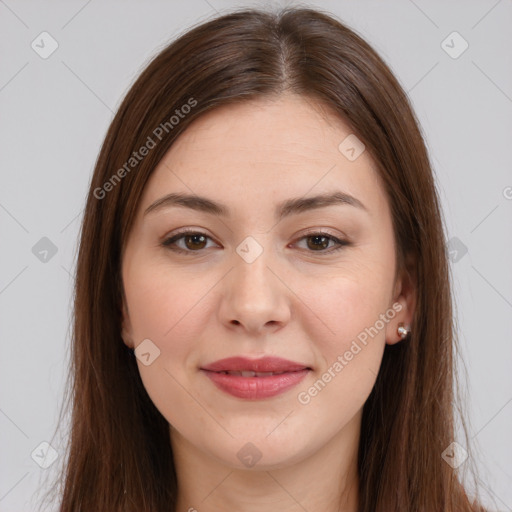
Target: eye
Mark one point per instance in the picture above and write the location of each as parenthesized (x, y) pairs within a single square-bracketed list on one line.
[(195, 241), (319, 241)]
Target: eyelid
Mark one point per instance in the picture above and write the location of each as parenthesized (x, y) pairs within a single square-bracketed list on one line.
[(323, 231), (180, 233), (342, 242)]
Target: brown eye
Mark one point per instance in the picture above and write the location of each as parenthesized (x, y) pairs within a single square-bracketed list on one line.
[(316, 242), (196, 241), (320, 243), (187, 242)]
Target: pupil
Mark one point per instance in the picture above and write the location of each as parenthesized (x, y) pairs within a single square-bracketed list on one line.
[(325, 242), (195, 240)]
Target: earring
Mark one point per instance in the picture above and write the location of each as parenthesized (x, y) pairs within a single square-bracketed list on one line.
[(403, 331)]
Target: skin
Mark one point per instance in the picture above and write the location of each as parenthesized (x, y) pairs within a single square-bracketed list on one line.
[(296, 300)]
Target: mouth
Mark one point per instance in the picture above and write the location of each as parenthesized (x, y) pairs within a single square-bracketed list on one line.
[(255, 379), (249, 373), (267, 364)]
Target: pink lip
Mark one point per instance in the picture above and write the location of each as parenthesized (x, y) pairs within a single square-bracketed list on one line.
[(264, 364), (255, 387)]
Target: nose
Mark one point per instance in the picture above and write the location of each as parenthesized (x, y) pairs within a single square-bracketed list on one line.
[(254, 298)]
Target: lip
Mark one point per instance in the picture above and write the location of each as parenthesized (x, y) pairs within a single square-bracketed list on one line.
[(264, 364), (256, 387)]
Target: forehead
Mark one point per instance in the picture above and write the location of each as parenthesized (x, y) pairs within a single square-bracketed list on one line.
[(266, 149), (291, 126)]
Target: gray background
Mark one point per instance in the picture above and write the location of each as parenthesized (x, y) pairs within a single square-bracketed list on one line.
[(54, 115)]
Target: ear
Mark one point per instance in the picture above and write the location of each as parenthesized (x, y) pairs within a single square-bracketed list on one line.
[(126, 326), (404, 301)]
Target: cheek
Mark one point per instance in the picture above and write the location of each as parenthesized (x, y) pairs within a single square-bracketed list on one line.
[(158, 295), (173, 307), (345, 304), (167, 306), (349, 351)]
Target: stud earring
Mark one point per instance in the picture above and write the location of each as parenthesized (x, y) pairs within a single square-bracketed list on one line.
[(403, 332)]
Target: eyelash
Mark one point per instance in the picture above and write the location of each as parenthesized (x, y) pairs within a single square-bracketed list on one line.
[(167, 243)]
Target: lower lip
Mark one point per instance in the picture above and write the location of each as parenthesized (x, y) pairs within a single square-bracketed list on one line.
[(256, 387)]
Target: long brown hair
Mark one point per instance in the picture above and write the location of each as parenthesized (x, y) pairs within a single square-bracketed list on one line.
[(119, 454)]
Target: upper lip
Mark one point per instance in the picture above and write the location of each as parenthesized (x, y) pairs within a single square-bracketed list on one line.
[(264, 364)]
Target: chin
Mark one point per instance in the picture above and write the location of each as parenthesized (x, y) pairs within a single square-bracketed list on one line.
[(258, 456), (256, 450)]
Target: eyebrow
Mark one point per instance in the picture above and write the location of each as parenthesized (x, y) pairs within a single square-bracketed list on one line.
[(283, 209)]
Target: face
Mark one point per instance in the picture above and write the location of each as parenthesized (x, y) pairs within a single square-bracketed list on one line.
[(261, 269)]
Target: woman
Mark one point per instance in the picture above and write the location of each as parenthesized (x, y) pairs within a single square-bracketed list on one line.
[(263, 314)]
